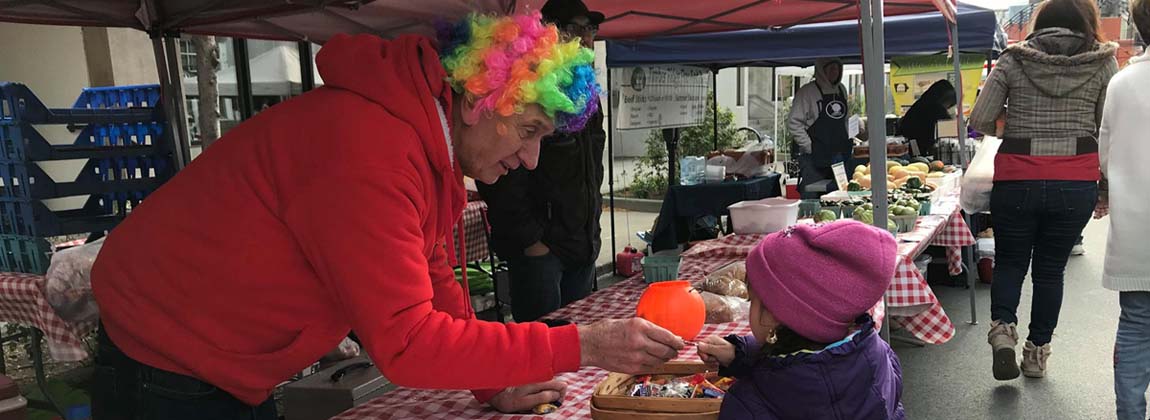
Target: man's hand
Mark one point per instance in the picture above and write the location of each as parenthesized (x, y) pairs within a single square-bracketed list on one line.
[(518, 399), (716, 351), (347, 349), (537, 249), (1102, 209), (627, 346)]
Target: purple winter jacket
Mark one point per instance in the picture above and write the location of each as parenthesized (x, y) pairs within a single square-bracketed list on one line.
[(859, 378)]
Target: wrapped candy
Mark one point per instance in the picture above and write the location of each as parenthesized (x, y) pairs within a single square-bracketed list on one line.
[(695, 386), (544, 409)]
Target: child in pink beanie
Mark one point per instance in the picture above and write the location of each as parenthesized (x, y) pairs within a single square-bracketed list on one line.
[(814, 353)]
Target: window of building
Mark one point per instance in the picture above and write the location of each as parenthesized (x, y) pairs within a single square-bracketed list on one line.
[(188, 58)]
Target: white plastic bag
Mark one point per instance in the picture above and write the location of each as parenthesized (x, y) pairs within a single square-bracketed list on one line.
[(750, 161), (730, 280), (979, 179), (722, 309), (68, 283)]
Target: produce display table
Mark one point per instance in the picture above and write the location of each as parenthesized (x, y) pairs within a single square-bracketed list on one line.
[(912, 304), (617, 301), (911, 301)]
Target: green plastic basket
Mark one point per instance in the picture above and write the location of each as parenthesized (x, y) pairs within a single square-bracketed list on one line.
[(924, 208), (809, 208), (657, 268)]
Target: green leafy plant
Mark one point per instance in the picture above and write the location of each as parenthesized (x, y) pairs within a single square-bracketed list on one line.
[(650, 179)]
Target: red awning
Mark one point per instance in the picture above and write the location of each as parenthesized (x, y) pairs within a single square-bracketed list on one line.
[(309, 20), (631, 19), (317, 20)]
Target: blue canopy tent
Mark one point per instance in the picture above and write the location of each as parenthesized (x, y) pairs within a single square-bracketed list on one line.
[(800, 45)]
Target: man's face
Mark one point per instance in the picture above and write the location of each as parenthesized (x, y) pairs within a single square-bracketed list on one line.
[(581, 27), (834, 71), (495, 145)]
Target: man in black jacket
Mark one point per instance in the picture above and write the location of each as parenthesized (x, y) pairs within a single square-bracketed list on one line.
[(545, 223)]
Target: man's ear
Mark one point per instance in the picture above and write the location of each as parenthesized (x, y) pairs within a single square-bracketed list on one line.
[(468, 110)]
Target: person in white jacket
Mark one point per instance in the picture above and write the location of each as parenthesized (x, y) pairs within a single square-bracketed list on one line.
[(1123, 150), (819, 122)]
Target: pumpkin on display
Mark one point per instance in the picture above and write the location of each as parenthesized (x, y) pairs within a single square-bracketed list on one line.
[(674, 305)]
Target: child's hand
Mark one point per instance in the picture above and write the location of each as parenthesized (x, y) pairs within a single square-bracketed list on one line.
[(715, 350)]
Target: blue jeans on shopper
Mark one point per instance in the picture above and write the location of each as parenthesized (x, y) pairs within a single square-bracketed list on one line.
[(1035, 226), (1132, 355), (541, 285), (125, 389)]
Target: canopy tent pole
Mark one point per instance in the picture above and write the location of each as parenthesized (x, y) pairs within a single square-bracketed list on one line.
[(960, 118), (243, 78), (775, 107), (715, 104), (871, 22), (610, 168), (175, 77), (306, 66), (172, 98)]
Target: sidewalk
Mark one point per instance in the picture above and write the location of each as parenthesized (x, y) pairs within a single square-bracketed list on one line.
[(626, 224)]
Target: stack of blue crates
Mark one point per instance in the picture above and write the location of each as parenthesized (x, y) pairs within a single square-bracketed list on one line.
[(126, 142)]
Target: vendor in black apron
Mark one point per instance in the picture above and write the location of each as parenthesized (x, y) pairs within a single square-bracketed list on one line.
[(819, 122)]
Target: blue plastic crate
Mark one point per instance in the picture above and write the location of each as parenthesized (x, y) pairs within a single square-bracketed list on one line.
[(23, 143), (134, 96), (19, 105), (27, 181), (33, 218), (22, 254)]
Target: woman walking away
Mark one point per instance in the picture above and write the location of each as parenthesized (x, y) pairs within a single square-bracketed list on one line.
[(1046, 172), (1123, 150)]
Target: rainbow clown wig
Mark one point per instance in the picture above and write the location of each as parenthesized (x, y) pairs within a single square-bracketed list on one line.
[(508, 62)]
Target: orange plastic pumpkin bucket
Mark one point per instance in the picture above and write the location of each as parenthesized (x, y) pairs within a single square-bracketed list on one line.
[(674, 305)]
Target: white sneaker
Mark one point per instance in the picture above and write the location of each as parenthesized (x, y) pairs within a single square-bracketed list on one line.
[(1078, 250)]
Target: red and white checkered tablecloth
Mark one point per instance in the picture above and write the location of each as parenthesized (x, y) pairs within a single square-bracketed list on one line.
[(22, 301), (618, 301), (475, 228), (912, 304)]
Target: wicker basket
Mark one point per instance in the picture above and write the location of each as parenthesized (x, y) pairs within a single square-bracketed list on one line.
[(607, 403)]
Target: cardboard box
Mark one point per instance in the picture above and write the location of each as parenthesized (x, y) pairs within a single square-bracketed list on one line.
[(334, 390)]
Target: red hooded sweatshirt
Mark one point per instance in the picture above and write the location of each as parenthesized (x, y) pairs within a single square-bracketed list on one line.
[(324, 214)]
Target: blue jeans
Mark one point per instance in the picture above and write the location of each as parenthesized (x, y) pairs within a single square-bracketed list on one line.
[(541, 285), (125, 389), (1035, 226), (1132, 355)]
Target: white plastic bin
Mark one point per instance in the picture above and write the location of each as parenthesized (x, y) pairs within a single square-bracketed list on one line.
[(764, 216)]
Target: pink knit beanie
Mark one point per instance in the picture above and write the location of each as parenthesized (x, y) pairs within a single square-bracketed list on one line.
[(817, 280)]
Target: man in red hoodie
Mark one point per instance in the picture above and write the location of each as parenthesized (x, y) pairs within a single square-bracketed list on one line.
[(329, 213)]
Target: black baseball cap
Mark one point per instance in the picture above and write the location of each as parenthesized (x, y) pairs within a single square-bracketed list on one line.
[(563, 11)]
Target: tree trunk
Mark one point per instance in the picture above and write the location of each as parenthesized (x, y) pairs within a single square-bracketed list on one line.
[(207, 63)]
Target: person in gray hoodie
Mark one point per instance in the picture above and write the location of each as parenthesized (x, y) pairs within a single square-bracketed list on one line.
[(819, 122), (1046, 171)]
